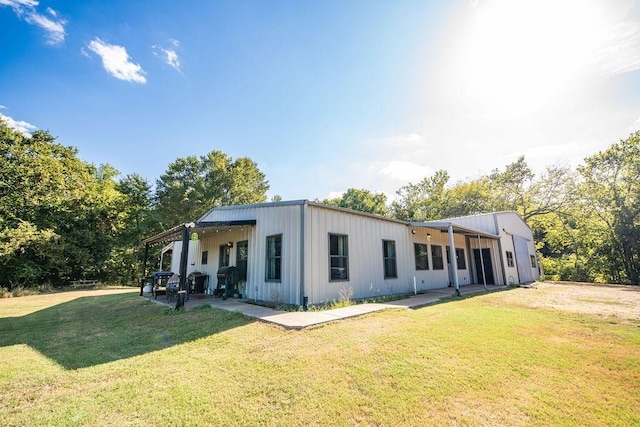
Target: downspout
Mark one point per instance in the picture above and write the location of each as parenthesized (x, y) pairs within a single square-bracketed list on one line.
[(144, 266), (303, 299), (454, 262)]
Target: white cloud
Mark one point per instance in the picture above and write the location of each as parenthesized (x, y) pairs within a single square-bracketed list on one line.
[(401, 170), (17, 4), (54, 28), (27, 10), (21, 126), (168, 56), (514, 57), (116, 61), (618, 51), (335, 194)]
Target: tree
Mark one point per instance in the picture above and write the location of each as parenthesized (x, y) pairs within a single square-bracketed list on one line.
[(193, 185), (422, 201), (517, 189), (467, 198), (361, 200), (138, 219), (612, 186), (56, 211)]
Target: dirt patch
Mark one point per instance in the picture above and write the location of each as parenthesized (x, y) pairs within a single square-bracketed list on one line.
[(615, 301)]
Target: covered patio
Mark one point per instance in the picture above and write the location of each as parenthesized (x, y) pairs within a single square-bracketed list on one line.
[(183, 233), (450, 228)]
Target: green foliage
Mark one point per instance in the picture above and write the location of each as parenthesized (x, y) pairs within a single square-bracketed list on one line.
[(56, 211), (193, 185), (518, 189), (63, 219), (138, 219), (361, 200), (422, 201), (612, 185)]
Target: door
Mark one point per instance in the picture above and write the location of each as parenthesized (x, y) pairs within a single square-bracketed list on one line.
[(488, 267), (242, 257), (523, 261)]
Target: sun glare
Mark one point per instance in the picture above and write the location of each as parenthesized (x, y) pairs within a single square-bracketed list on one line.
[(519, 56)]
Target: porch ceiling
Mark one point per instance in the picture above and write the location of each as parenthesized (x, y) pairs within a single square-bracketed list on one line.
[(443, 226), (175, 234)]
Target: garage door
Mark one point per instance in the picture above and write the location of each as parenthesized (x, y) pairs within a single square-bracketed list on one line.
[(522, 259)]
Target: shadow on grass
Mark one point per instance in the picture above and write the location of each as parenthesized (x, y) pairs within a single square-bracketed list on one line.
[(90, 331)]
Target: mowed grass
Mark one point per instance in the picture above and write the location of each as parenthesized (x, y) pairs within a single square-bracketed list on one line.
[(121, 360)]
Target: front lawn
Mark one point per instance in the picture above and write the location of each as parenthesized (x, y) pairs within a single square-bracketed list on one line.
[(79, 358)]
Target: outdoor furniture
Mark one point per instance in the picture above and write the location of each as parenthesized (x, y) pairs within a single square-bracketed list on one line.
[(173, 285), (160, 281), (85, 283)]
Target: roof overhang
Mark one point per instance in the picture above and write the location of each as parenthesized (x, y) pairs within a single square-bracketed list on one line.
[(443, 226), (201, 227)]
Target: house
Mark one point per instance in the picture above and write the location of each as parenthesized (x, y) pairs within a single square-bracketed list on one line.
[(302, 252)]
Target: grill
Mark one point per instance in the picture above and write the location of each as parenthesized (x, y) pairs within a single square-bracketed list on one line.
[(197, 282), (228, 278)]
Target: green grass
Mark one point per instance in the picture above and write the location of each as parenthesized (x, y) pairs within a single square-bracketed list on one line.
[(120, 360)]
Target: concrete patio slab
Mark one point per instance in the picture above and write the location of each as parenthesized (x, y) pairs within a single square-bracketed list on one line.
[(303, 319)]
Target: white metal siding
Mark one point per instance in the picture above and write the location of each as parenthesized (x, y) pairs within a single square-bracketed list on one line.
[(366, 271), (270, 220), (365, 253), (513, 227), (483, 222), (365, 256), (506, 225)]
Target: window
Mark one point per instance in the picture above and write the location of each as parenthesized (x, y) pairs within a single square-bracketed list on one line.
[(422, 256), (509, 259), (225, 256), (533, 261), (436, 257), (460, 260), (274, 258), (205, 257), (338, 257), (389, 258), (242, 257)]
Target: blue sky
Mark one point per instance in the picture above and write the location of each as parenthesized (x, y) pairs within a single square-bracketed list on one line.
[(325, 95)]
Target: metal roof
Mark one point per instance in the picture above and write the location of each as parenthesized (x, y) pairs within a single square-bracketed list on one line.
[(444, 227)]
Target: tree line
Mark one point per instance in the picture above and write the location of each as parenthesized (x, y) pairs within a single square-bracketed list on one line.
[(63, 219), (586, 221)]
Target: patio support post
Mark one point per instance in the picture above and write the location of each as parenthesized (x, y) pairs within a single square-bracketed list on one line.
[(144, 266), (484, 278), (184, 257), (452, 258)]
